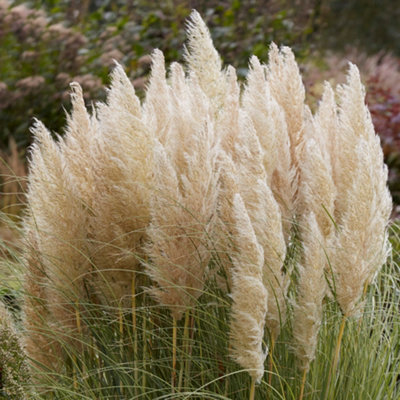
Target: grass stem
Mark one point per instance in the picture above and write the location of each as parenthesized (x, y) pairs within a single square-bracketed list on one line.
[(78, 327), (173, 375), (303, 383), (78, 317), (270, 360), (135, 337), (144, 353), (252, 389), (361, 317), (189, 351), (121, 341), (185, 346), (74, 375), (335, 361)]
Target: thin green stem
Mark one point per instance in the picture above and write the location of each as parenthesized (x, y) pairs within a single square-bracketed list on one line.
[(135, 336), (173, 375), (185, 345), (121, 342), (361, 318), (79, 328), (189, 351), (270, 360), (144, 354), (74, 375)]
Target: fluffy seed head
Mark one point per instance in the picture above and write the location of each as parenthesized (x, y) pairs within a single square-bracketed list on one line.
[(363, 203), (249, 296)]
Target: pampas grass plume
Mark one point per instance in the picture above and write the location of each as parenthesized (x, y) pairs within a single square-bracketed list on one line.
[(183, 217), (310, 293), (287, 88), (122, 167), (54, 209), (204, 61), (268, 119), (363, 204), (249, 296), (266, 219)]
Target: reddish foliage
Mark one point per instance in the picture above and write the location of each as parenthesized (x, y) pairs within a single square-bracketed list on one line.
[(384, 105)]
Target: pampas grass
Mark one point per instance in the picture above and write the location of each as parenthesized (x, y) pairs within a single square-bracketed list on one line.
[(362, 241), (204, 61), (249, 296), (145, 212), (121, 169), (60, 245), (317, 194), (287, 87), (268, 119), (184, 198)]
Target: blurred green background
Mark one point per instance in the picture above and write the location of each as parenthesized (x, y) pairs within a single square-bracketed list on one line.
[(44, 45)]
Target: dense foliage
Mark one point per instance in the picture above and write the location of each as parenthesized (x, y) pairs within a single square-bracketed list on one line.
[(54, 42)]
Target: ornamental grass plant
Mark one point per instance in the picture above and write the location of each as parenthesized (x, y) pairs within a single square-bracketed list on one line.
[(212, 241)]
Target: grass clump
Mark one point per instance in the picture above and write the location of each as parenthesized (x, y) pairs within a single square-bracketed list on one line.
[(167, 247)]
